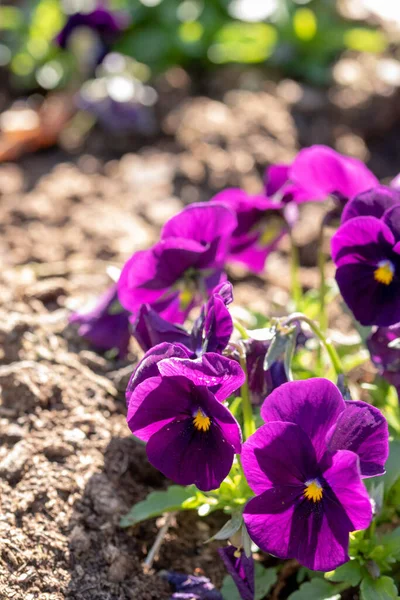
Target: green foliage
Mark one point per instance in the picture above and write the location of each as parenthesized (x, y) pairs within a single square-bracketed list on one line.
[(174, 498), (382, 588), (350, 573), (264, 580), (317, 589)]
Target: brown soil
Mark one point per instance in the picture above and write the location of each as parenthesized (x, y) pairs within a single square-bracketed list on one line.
[(68, 466)]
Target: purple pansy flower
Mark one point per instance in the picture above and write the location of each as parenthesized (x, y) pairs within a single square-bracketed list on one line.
[(183, 267), (261, 382), (192, 587), (260, 227), (210, 333), (318, 172), (105, 23), (106, 326), (304, 469), (336, 424), (180, 413), (385, 358), (241, 569), (366, 251), (372, 203)]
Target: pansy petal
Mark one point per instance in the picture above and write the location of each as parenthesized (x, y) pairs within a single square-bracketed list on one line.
[(188, 456), (218, 325), (221, 416), (150, 329), (362, 429), (221, 374), (206, 223), (362, 239), (241, 569), (276, 176), (392, 220), (372, 203), (156, 402), (278, 454), (347, 491), (314, 405)]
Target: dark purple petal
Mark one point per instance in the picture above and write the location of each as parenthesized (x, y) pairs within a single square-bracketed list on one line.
[(319, 171), (192, 587), (219, 373), (150, 329), (372, 203), (392, 220), (278, 454), (364, 239), (188, 456), (210, 225), (101, 20), (156, 402), (218, 325), (148, 366), (347, 491), (106, 326), (314, 405), (378, 346), (261, 383), (362, 429), (241, 569)]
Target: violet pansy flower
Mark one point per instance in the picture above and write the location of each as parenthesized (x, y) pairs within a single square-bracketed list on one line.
[(335, 424), (261, 225), (366, 251), (180, 270), (181, 415), (241, 569), (386, 358), (304, 467), (318, 172), (106, 326), (210, 333), (372, 203)]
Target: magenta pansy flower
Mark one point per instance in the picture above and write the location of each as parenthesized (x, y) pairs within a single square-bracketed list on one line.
[(106, 326), (305, 466), (318, 172), (181, 415), (366, 251), (186, 264), (260, 227)]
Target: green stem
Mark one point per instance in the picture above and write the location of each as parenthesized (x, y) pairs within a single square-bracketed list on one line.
[(294, 273), (323, 318), (326, 343), (249, 426), (239, 327)]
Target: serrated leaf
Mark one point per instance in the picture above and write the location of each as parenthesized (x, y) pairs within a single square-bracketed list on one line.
[(350, 573), (317, 589), (230, 528), (158, 503), (382, 588)]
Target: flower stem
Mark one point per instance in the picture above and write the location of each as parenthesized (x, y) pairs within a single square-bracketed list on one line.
[(239, 327), (249, 426), (148, 563), (323, 319), (294, 273), (326, 342)]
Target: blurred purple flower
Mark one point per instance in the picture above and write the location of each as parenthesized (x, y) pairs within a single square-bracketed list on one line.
[(241, 569), (181, 415), (385, 358), (261, 383), (260, 226), (106, 326), (318, 172), (304, 469), (192, 587), (180, 270), (366, 251)]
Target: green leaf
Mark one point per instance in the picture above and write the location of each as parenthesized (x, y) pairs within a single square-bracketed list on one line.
[(158, 503), (264, 580), (230, 527), (392, 465), (350, 573), (317, 589), (382, 588)]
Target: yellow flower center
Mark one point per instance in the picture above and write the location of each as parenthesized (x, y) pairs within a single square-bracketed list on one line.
[(270, 232), (384, 273), (201, 421), (313, 490)]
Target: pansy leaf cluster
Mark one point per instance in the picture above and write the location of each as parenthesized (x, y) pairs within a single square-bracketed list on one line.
[(246, 421)]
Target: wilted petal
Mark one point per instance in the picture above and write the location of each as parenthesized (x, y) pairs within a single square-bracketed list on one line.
[(362, 429), (313, 404), (241, 569)]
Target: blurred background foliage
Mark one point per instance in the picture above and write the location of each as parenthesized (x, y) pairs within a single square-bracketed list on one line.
[(301, 38)]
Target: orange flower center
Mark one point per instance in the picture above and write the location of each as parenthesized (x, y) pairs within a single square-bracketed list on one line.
[(201, 421), (313, 490)]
